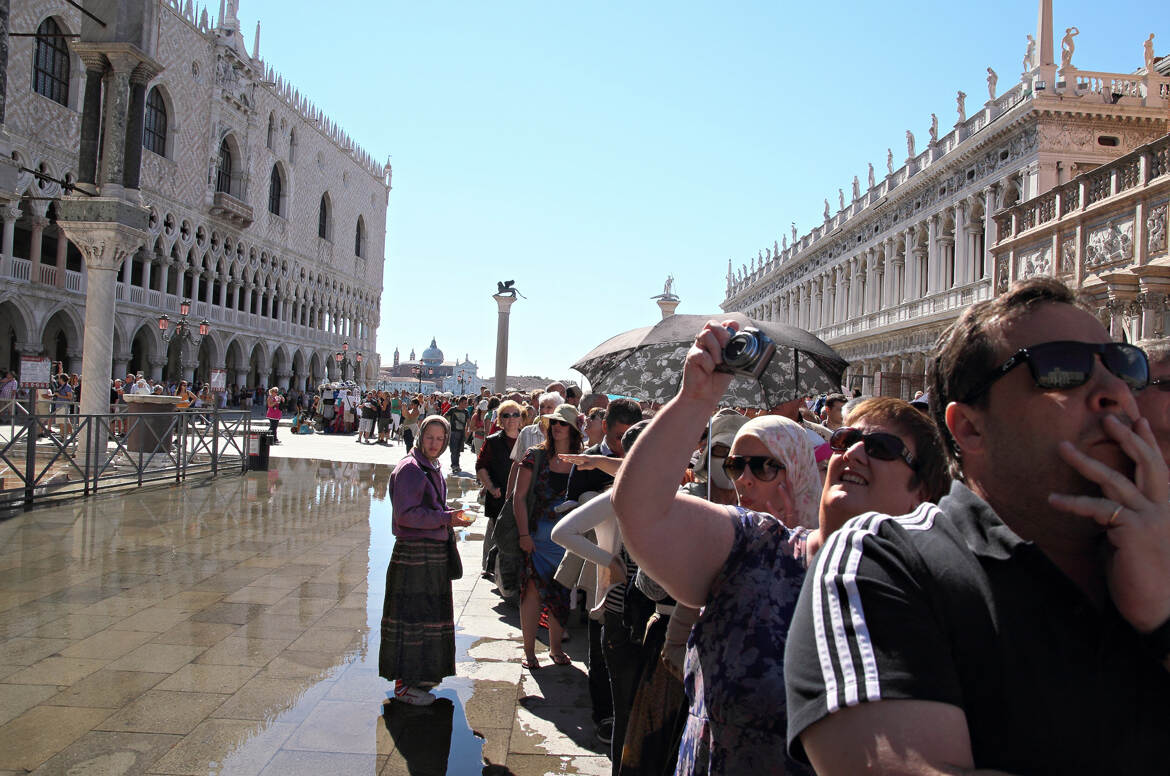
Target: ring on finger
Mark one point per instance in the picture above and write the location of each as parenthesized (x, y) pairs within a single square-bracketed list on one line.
[(1113, 517)]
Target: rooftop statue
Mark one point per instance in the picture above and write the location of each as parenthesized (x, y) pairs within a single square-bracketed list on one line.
[(1029, 54), (826, 210), (775, 250), (507, 288), (856, 188), (1150, 54), (992, 80), (871, 184), (933, 129), (910, 144), (794, 232), (890, 159), (841, 197), (961, 99), (1067, 46), (668, 286)]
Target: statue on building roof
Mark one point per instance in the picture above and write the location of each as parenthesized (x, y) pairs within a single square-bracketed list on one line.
[(1150, 54), (784, 240), (794, 233), (1067, 47), (775, 249), (1029, 54), (841, 198), (910, 145), (729, 273), (961, 99), (871, 183), (890, 159), (933, 129), (992, 80), (856, 187), (826, 209)]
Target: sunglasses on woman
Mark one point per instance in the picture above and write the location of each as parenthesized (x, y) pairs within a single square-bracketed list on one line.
[(557, 423), (878, 444), (764, 468), (1064, 365), (506, 415)]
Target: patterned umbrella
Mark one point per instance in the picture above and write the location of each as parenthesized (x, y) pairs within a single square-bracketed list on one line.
[(647, 363)]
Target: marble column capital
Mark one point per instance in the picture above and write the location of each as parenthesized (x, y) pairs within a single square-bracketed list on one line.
[(10, 213), (158, 361), (30, 348), (104, 245), (38, 221)]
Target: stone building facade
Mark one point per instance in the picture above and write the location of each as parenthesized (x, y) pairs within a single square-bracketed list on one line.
[(438, 374), (263, 212), (898, 261)]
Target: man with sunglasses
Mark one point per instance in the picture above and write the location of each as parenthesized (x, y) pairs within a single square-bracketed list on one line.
[(1020, 625), (1154, 401)]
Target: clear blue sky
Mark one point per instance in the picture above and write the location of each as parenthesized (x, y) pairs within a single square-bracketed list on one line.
[(588, 150)]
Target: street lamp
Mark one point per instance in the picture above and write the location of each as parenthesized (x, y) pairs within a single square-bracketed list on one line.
[(183, 327), (460, 382), (418, 372), (343, 360)]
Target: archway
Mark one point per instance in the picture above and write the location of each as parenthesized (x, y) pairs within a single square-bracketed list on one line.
[(234, 362), (61, 336), (300, 380), (279, 366), (141, 351), (316, 371), (258, 367), (13, 330)]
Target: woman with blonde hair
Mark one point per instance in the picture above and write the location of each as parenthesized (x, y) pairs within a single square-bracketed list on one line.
[(273, 402)]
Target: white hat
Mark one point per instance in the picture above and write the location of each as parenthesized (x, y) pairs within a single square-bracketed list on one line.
[(483, 405)]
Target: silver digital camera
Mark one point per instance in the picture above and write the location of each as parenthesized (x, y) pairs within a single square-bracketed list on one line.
[(748, 353)]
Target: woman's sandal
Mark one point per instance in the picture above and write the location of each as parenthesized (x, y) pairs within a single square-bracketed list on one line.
[(531, 665), (561, 659)]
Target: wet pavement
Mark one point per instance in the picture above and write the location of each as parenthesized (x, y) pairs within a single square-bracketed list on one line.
[(231, 626)]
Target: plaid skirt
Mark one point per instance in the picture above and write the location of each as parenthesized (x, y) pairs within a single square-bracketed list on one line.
[(418, 616)]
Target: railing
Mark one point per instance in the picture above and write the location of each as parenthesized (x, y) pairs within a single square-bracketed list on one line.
[(47, 458), (942, 301), (154, 299), (74, 281), (48, 275), (21, 268), (119, 291), (136, 294)]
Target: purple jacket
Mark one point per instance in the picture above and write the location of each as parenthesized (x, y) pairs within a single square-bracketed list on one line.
[(419, 494)]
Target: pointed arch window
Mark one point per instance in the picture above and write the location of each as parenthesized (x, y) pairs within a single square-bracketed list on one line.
[(275, 191), (223, 177), (359, 238), (323, 218), (51, 63), (154, 130)]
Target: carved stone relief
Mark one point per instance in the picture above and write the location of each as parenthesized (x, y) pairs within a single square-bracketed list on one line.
[(1156, 229), (1033, 263), (1109, 244), (1068, 257)]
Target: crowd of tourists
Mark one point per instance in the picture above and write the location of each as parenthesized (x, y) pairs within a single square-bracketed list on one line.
[(979, 579)]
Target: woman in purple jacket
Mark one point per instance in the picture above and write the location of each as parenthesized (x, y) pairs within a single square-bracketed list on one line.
[(418, 619)]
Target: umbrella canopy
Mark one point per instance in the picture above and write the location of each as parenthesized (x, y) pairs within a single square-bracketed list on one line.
[(647, 362)]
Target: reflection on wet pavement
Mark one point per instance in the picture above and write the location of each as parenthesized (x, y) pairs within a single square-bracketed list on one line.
[(232, 627)]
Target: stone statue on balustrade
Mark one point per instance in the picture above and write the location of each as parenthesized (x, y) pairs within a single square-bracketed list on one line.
[(910, 145), (856, 188), (871, 183), (933, 129), (776, 250), (794, 233), (992, 80), (890, 159), (961, 100), (1067, 46), (1029, 54), (1150, 54), (841, 197), (668, 288), (826, 209)]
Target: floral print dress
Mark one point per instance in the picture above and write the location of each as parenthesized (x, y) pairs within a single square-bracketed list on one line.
[(549, 490), (734, 675)]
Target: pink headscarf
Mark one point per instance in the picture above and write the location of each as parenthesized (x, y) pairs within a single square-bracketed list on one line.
[(789, 443)]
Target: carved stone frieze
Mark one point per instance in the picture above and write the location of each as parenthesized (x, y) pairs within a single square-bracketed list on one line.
[(1035, 262), (1109, 243), (1156, 229), (1068, 256)]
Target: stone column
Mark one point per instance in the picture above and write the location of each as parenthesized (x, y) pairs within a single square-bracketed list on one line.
[(989, 234), (107, 232), (136, 115), (120, 365), (147, 269), (116, 107), (504, 304), (815, 310), (164, 279), (668, 304), (91, 121), (282, 379), (962, 247), (10, 214), (62, 252), (38, 224), (934, 280), (156, 367)]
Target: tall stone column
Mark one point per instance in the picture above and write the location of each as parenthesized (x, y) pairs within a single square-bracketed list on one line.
[(988, 233), (9, 214), (38, 224), (156, 367), (504, 304), (668, 304), (62, 253)]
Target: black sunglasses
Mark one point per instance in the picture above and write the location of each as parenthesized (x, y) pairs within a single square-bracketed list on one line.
[(1064, 365), (553, 422), (878, 444), (506, 415), (764, 468)]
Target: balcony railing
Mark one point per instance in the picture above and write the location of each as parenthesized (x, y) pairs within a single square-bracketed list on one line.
[(952, 299)]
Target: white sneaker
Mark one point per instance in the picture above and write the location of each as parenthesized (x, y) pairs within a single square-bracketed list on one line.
[(414, 696)]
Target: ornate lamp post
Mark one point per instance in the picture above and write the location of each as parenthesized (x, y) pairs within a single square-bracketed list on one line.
[(183, 328), (343, 360), (419, 371)]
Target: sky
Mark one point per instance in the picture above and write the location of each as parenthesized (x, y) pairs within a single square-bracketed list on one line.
[(589, 150)]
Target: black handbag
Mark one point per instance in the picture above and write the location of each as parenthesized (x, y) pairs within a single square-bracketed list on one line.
[(454, 562)]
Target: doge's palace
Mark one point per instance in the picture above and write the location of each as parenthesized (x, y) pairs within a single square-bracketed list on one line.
[(900, 257), (263, 212)]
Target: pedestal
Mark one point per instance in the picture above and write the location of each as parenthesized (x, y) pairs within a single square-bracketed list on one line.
[(151, 433), (668, 305), (505, 303)]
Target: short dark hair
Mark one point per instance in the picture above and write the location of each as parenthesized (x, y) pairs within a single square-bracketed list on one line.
[(835, 398), (932, 463), (572, 391), (970, 348), (632, 434), (591, 400), (623, 411)]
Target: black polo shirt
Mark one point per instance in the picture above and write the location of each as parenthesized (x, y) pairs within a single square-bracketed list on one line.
[(586, 480), (947, 604)]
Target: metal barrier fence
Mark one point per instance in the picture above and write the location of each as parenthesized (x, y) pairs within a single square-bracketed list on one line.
[(54, 457)]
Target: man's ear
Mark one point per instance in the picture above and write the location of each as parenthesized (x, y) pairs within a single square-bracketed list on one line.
[(965, 424)]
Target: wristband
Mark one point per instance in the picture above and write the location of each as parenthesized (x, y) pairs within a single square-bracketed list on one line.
[(1158, 640)]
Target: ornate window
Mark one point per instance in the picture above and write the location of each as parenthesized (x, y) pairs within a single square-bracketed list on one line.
[(154, 131), (323, 218), (51, 63), (359, 238), (223, 177), (275, 191)]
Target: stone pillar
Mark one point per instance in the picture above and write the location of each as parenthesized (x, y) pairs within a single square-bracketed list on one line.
[(62, 252), (10, 214), (989, 234), (504, 304), (38, 224), (107, 232), (815, 308), (116, 107), (91, 121), (934, 280), (282, 379), (121, 364), (136, 115), (147, 270), (668, 304), (156, 367), (962, 247)]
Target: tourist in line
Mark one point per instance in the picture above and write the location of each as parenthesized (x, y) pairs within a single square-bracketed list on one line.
[(418, 616), (543, 475), (273, 413), (492, 466)]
